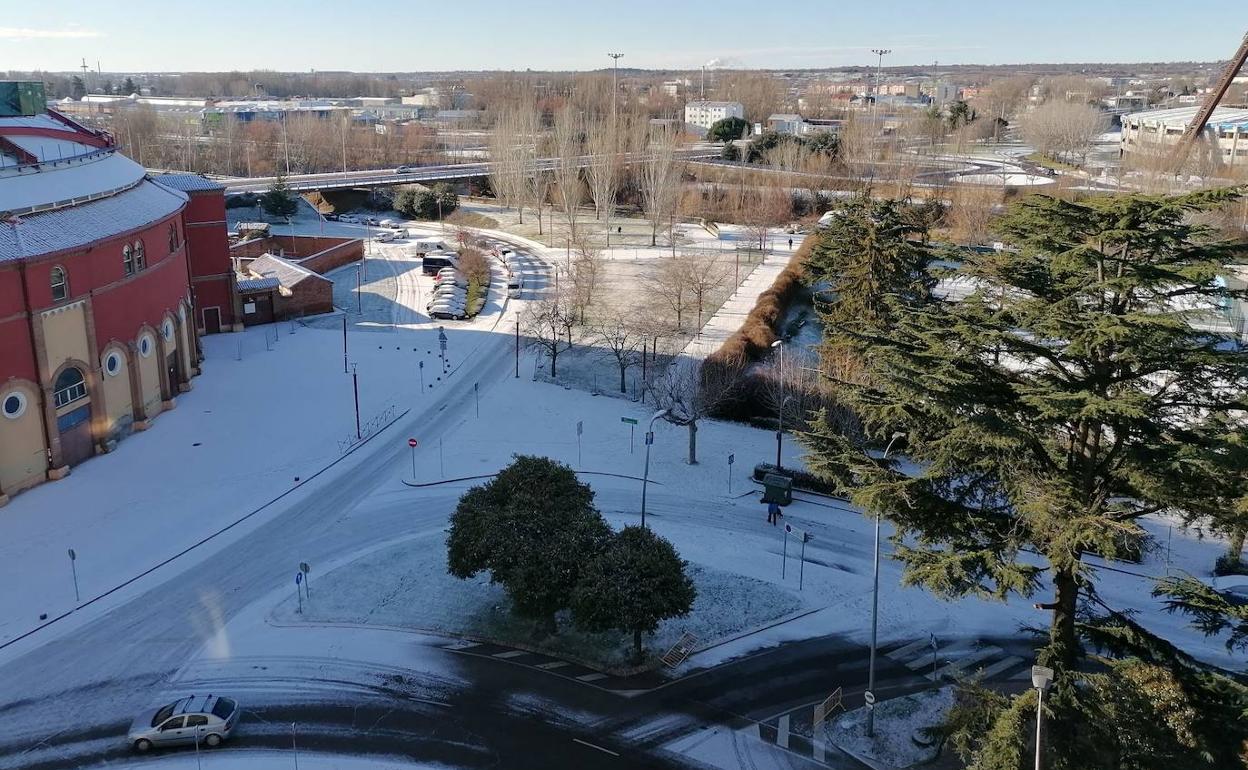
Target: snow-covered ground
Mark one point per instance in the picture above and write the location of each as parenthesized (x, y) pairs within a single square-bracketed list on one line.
[(898, 722), (266, 760)]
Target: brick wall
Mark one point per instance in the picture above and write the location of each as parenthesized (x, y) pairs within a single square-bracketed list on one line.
[(310, 296), (319, 254)]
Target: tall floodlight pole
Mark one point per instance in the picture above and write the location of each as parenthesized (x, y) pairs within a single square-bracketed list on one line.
[(875, 103), (875, 606), (615, 88), (780, 405)]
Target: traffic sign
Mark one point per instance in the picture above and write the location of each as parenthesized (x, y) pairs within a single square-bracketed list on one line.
[(649, 437), (411, 442), (298, 578), (580, 427), (72, 555), (628, 420), (869, 697), (732, 458), (304, 568)]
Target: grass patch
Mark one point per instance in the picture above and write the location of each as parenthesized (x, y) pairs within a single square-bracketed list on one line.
[(1047, 162), (472, 219)]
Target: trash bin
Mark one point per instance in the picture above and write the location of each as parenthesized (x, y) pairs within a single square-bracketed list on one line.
[(777, 489)]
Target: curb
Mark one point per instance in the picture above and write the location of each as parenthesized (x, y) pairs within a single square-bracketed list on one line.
[(492, 475)]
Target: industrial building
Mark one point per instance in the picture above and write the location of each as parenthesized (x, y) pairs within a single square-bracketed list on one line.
[(98, 313), (1157, 133)]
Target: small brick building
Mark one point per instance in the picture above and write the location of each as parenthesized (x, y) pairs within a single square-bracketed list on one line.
[(276, 289)]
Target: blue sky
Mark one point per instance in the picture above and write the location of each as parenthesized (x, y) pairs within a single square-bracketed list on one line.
[(138, 35)]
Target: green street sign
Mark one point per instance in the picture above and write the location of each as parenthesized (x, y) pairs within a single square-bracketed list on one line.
[(628, 420)]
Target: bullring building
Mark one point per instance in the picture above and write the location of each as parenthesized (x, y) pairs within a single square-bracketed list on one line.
[(99, 321)]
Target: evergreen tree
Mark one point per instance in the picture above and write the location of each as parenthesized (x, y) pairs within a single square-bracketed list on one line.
[(1065, 398), (77, 89), (727, 129), (730, 152), (446, 200), (278, 201), (128, 87), (534, 528), (638, 581)]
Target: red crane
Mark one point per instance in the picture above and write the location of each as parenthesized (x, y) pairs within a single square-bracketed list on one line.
[(1211, 101)]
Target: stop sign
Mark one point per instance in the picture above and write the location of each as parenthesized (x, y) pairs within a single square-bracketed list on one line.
[(411, 442)]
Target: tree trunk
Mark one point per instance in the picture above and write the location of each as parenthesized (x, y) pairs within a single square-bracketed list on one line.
[(693, 442), (637, 644), (1062, 652), (623, 385), (553, 357)]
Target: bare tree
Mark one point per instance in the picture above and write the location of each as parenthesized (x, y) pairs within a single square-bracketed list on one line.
[(569, 137), (622, 342), (1063, 130), (795, 396), (585, 274), (604, 169), (548, 324), (972, 209), (690, 390), (670, 288), (703, 274), (660, 179)]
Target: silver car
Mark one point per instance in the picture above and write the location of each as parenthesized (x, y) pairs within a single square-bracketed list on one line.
[(196, 719)]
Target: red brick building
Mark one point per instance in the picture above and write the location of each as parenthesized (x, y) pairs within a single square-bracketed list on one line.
[(100, 268)]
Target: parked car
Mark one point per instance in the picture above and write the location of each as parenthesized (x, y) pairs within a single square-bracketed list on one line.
[(371, 221), (331, 217), (352, 219), (392, 224), (205, 720), (452, 279), (455, 314), (453, 295), (515, 286), (385, 236)]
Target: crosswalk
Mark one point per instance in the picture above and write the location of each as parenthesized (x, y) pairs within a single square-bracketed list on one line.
[(627, 686), (957, 659)]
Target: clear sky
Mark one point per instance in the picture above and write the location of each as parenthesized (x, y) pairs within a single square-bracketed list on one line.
[(300, 35)]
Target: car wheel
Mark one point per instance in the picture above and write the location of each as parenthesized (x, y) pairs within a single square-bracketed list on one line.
[(142, 744), (213, 740)]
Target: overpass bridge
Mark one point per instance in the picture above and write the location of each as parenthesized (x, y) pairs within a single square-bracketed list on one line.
[(341, 180)]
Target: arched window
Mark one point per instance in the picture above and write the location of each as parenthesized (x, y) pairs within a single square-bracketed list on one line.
[(60, 283), (140, 259), (173, 237), (127, 259), (70, 387)]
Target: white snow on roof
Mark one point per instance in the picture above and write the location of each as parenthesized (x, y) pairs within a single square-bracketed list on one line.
[(284, 270), (63, 182), (74, 226), (1184, 115), (188, 182), (46, 148)]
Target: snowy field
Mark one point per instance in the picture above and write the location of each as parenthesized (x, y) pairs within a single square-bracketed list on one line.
[(898, 723), (265, 760)]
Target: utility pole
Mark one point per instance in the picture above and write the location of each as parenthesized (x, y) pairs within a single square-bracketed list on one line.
[(615, 90), (875, 103)]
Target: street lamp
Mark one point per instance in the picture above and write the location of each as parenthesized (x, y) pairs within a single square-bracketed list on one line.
[(875, 602), (645, 478), (780, 405), (875, 103), (1041, 677)]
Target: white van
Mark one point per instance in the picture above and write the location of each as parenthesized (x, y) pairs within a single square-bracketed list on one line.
[(515, 286), (428, 246)]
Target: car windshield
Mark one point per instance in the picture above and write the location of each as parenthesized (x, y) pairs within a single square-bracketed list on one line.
[(223, 708), (164, 713)]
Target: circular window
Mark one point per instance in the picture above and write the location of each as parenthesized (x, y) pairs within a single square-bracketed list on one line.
[(145, 345), (112, 363), (167, 330), (14, 405)]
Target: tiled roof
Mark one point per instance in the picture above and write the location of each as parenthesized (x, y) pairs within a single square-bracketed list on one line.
[(188, 182), (284, 270), (258, 284), (73, 226)]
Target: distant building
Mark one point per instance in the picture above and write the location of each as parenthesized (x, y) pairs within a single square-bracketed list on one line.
[(1157, 132), (787, 123), (707, 113)]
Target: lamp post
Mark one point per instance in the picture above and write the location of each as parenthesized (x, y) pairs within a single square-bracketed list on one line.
[(1041, 677), (780, 405), (875, 103), (875, 602), (645, 478)]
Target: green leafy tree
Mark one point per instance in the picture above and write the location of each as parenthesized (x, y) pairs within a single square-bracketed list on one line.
[(534, 528), (637, 582), (1065, 398), (426, 203), (278, 201), (727, 129)]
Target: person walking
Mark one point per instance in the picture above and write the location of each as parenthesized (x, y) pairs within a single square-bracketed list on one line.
[(790, 244), (773, 513)]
